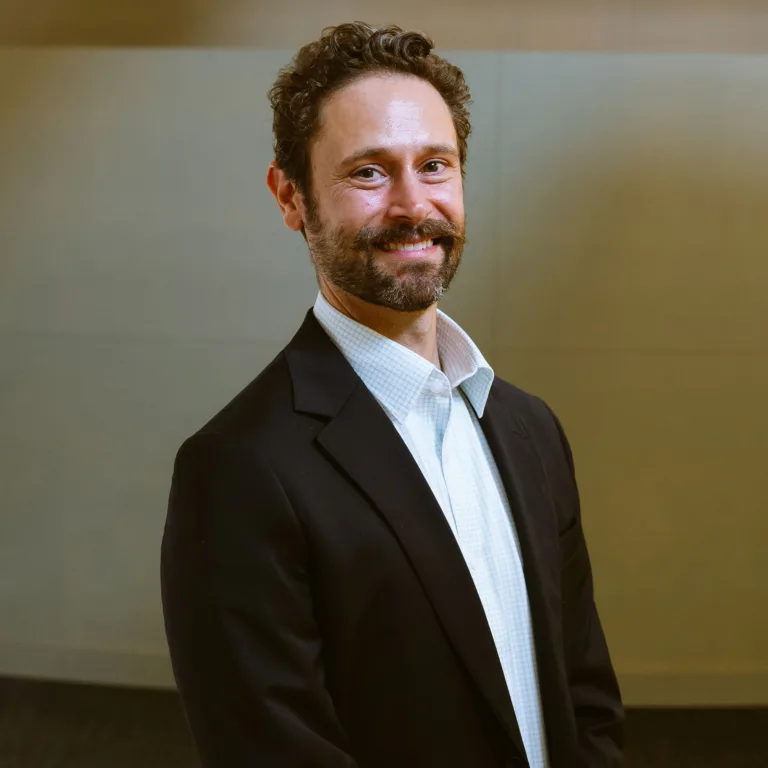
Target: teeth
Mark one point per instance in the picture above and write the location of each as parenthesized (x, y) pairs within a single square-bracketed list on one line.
[(408, 246)]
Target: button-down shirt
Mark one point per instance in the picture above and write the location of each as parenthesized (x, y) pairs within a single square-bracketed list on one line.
[(436, 413)]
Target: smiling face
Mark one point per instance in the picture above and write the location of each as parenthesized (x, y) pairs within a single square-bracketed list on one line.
[(385, 221)]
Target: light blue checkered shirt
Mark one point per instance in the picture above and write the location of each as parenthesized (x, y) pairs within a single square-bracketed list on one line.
[(429, 409)]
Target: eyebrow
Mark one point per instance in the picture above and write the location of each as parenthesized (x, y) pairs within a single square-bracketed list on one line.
[(370, 152)]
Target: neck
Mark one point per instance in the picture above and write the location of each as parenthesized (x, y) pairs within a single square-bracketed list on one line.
[(415, 330)]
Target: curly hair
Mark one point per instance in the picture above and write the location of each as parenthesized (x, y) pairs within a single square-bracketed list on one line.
[(342, 55)]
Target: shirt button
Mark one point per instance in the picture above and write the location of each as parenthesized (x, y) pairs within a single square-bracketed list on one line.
[(437, 387)]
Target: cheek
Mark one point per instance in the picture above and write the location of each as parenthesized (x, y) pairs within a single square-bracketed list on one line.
[(360, 208), (371, 203), (449, 200)]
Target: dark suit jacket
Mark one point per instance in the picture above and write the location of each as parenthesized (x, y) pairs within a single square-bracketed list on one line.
[(318, 609)]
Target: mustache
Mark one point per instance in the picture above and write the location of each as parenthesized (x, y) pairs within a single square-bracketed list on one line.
[(429, 229)]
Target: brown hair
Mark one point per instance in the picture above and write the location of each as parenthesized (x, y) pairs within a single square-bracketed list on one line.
[(342, 55)]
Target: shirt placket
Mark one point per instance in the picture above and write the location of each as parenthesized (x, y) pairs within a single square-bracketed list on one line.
[(457, 473), (439, 405)]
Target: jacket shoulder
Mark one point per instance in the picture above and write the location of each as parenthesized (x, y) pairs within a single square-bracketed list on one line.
[(538, 418), (527, 407), (261, 409)]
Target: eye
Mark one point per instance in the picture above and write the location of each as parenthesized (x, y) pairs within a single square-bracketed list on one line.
[(434, 166), (367, 174)]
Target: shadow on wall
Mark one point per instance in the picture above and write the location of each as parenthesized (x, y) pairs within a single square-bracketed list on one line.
[(92, 23), (604, 25)]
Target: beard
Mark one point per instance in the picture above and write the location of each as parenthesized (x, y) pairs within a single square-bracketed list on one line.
[(351, 262)]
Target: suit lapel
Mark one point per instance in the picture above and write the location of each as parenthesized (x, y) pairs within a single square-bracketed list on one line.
[(368, 449), (525, 483)]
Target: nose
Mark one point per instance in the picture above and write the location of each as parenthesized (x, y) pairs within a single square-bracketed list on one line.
[(408, 199)]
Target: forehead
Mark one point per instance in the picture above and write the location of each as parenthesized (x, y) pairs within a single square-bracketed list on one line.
[(389, 111)]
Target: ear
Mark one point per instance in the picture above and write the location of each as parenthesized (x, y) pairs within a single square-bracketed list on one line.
[(288, 197)]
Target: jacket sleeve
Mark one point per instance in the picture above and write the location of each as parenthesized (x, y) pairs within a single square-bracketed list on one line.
[(594, 689), (245, 647)]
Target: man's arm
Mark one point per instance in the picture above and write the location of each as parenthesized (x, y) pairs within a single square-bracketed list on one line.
[(593, 685), (244, 644)]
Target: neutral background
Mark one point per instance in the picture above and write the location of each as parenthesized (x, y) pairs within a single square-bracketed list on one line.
[(617, 266)]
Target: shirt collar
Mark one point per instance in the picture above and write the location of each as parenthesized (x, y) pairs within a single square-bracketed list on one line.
[(375, 357)]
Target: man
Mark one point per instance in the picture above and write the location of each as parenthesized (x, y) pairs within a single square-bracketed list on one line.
[(373, 555)]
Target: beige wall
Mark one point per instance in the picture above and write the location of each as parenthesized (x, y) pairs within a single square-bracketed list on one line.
[(630, 292), (617, 267)]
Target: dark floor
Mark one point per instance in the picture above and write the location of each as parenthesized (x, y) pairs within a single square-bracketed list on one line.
[(57, 725)]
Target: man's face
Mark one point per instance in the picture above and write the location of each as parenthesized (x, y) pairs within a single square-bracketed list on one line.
[(385, 217)]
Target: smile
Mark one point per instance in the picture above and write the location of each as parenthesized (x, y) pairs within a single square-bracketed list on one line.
[(422, 245)]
